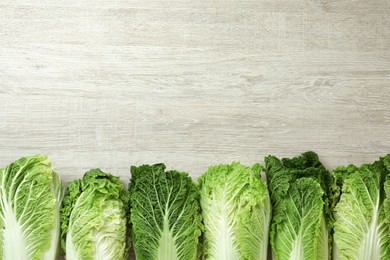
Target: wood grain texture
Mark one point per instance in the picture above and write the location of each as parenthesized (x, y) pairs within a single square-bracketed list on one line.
[(193, 83)]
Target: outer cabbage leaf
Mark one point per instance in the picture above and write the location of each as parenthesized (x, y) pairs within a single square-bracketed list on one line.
[(302, 218), (236, 210), (94, 218), (362, 229), (165, 214), (30, 199)]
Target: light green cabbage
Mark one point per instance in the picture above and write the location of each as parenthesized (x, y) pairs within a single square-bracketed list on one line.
[(301, 197), (30, 199), (236, 211), (362, 211), (165, 216), (94, 218)]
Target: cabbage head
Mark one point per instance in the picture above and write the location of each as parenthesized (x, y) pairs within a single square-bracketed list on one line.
[(300, 190), (165, 214), (30, 200), (236, 211), (95, 218), (362, 211)]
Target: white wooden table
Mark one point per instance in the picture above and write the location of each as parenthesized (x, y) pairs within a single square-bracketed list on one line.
[(193, 83)]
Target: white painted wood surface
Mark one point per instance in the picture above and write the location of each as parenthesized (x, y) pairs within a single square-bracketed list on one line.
[(193, 83)]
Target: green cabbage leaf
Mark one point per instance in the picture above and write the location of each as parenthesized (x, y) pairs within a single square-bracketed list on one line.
[(165, 214), (236, 211), (30, 200), (362, 211), (94, 218), (301, 197)]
